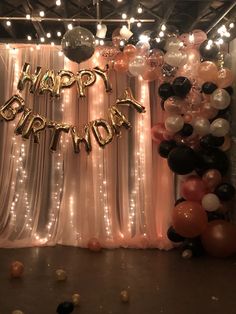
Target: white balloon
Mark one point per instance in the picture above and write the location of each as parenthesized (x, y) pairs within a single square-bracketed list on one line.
[(201, 126), (175, 58), (220, 99), (210, 202), (137, 65), (174, 123), (219, 127)]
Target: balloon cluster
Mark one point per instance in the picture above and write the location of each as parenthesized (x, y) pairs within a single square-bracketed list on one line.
[(194, 138)]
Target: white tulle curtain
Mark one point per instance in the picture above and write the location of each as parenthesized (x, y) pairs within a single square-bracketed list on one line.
[(122, 195)]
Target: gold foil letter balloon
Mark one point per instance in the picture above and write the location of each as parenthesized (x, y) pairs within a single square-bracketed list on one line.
[(104, 76), (118, 120), (77, 139), (63, 79), (100, 138), (13, 106), (78, 44), (128, 99), (85, 78), (57, 129), (26, 76)]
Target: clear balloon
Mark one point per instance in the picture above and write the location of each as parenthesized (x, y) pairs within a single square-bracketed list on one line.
[(78, 44), (174, 123), (174, 58), (130, 51), (143, 48), (192, 56), (220, 99), (220, 127), (173, 43), (137, 65), (173, 105), (207, 71), (207, 111)]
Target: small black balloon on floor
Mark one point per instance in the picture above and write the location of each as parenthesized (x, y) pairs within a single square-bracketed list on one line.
[(225, 191), (174, 236), (208, 88), (166, 147), (195, 245), (65, 308), (181, 86)]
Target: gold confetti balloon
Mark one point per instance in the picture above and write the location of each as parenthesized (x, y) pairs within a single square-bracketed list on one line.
[(61, 275)]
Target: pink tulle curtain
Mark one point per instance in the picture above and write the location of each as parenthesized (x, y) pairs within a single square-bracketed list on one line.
[(122, 194)]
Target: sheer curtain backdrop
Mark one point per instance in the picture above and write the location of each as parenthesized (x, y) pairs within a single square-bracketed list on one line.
[(122, 194)]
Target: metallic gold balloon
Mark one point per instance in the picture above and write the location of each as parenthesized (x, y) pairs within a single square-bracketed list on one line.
[(47, 82), (63, 79), (23, 121), (128, 99), (9, 110), (85, 78), (104, 76), (57, 129), (61, 275), (118, 120), (85, 138), (102, 141), (187, 254), (78, 44), (36, 124), (26, 76), (76, 299), (124, 296)]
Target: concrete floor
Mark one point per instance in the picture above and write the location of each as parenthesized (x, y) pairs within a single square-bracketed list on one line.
[(158, 282)]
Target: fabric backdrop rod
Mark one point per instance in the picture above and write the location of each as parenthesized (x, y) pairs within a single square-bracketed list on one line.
[(52, 19)]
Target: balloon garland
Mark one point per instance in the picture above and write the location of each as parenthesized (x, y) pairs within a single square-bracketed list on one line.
[(195, 94)]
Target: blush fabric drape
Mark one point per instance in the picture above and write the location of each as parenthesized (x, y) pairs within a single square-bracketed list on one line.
[(122, 194)]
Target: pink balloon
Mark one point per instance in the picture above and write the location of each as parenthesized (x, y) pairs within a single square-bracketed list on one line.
[(212, 178), (157, 132), (207, 111), (150, 74), (193, 56), (156, 58), (225, 78), (199, 37), (207, 71), (193, 188)]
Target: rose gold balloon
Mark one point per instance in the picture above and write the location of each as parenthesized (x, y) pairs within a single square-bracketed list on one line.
[(192, 56), (129, 51), (225, 78), (157, 132), (108, 52), (116, 37), (212, 178), (16, 269), (121, 63), (188, 118), (194, 98), (207, 71), (199, 37), (188, 70), (150, 74), (207, 111), (193, 188), (94, 245), (227, 143), (185, 40), (156, 58)]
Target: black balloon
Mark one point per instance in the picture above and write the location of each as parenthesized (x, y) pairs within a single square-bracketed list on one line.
[(181, 86), (65, 308), (195, 246), (212, 158), (182, 160), (208, 88), (165, 90), (209, 140), (208, 52), (162, 104), (230, 90), (187, 130), (174, 236), (179, 200), (165, 148), (215, 216), (225, 191)]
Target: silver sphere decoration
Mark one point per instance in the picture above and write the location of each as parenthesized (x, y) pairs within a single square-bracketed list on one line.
[(78, 44)]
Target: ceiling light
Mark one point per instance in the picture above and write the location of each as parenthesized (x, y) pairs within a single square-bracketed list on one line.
[(140, 10), (28, 16), (231, 25), (29, 37), (58, 34), (52, 43), (124, 16), (58, 3), (101, 42), (158, 39), (163, 27), (139, 24), (99, 26), (42, 39), (41, 13), (161, 34), (132, 20), (70, 26), (8, 23), (48, 35)]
